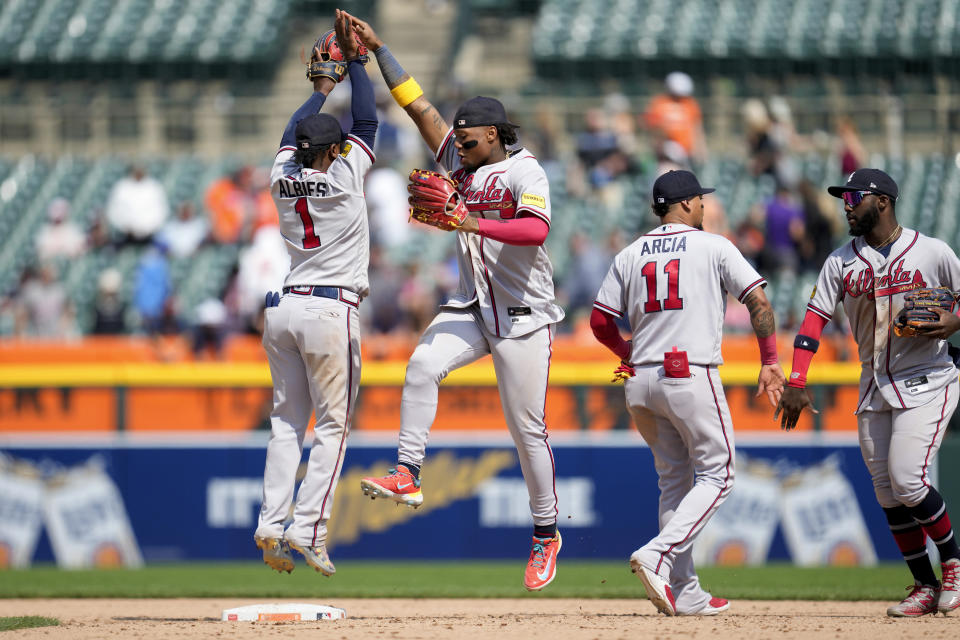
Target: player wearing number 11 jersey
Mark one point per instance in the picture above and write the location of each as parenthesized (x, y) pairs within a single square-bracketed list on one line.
[(311, 334), (672, 286)]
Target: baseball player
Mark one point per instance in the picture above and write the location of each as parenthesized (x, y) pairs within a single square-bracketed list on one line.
[(311, 333), (908, 385), (672, 285), (504, 305)]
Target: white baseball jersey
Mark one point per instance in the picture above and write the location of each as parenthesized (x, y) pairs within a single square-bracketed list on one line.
[(513, 284), (671, 269), (323, 218), (907, 371)]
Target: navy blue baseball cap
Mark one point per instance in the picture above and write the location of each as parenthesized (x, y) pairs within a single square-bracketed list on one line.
[(674, 186), (480, 112), (318, 130), (872, 180)]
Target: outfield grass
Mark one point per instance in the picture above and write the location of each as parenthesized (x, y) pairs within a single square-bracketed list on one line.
[(443, 580), (26, 622)]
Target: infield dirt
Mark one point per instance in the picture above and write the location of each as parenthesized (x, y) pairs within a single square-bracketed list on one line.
[(500, 618)]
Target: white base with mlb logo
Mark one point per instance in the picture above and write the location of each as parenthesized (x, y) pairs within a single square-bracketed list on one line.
[(286, 612)]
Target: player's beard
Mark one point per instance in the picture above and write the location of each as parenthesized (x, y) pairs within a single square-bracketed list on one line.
[(865, 223)]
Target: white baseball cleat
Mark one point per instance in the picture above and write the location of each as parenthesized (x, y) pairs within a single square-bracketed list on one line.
[(658, 589), (276, 553), (316, 557), (716, 606), (950, 587), (921, 601)]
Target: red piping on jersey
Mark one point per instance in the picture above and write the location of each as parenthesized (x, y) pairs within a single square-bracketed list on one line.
[(672, 233), (926, 459), (726, 481), (604, 307), (889, 330), (363, 145), (343, 436), (820, 312), (443, 145), (493, 300), (866, 394), (750, 287), (534, 213), (282, 149), (553, 465)]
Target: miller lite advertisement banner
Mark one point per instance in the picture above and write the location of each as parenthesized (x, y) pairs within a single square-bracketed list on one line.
[(87, 521), (21, 512), (805, 498)]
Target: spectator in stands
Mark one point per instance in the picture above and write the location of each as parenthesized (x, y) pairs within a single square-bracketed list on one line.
[(262, 268), (588, 264), (761, 146), (264, 209), (59, 238), (784, 230), (821, 224), (44, 310), (137, 207), (853, 155), (675, 115), (232, 205), (383, 312), (210, 329), (185, 233), (152, 291), (386, 192), (109, 310), (596, 142)]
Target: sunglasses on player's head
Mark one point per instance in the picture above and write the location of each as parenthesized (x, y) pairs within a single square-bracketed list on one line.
[(853, 198)]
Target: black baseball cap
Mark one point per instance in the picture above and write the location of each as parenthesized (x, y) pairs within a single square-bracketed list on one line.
[(480, 112), (873, 180), (318, 130), (677, 185)]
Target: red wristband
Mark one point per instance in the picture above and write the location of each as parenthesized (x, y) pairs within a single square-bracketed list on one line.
[(768, 350)]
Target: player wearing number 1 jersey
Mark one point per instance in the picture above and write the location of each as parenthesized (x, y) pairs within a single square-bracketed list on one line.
[(672, 285), (311, 333)]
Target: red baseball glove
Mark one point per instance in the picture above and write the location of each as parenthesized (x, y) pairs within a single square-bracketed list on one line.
[(434, 200)]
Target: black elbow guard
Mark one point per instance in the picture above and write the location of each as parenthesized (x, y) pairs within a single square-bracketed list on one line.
[(806, 343)]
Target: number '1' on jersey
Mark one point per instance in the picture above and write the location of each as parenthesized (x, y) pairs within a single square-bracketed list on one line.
[(323, 218), (672, 286)]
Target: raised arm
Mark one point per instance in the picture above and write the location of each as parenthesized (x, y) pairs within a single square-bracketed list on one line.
[(363, 106), (771, 378), (321, 89), (403, 88)]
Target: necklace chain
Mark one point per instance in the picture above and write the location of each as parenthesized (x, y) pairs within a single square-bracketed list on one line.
[(889, 238)]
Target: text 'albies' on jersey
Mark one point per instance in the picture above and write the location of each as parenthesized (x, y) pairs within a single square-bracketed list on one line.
[(323, 218)]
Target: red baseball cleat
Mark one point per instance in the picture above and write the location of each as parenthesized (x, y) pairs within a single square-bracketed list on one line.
[(542, 565), (399, 485)]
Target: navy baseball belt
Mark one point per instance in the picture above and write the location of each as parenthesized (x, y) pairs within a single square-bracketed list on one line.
[(335, 293)]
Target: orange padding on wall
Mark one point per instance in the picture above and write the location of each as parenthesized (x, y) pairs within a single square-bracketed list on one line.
[(247, 348)]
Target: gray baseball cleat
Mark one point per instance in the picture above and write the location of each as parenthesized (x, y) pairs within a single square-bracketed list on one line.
[(950, 587), (276, 553), (316, 557), (921, 601)]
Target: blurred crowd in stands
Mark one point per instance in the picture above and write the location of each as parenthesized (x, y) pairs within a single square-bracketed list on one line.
[(598, 163)]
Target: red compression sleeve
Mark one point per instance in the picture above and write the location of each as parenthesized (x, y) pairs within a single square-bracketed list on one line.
[(605, 331), (812, 327), (768, 350), (527, 231)]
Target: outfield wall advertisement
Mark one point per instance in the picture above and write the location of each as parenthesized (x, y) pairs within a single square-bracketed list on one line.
[(124, 500)]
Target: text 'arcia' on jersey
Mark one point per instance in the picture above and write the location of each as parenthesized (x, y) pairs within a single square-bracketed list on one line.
[(668, 244), (296, 189)]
